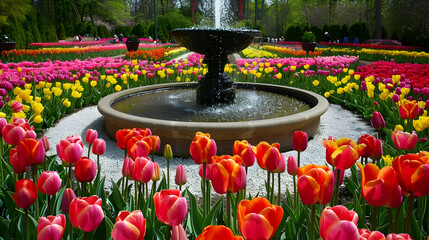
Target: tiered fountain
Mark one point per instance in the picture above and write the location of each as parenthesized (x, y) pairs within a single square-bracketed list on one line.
[(228, 111)]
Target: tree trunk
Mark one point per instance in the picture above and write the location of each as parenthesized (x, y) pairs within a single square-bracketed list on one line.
[(378, 19), (262, 12)]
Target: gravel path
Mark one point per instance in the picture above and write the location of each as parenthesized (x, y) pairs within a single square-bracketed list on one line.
[(337, 122)]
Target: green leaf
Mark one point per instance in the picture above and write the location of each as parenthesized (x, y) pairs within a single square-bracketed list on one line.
[(196, 214), (211, 217), (117, 196), (9, 202), (290, 229)]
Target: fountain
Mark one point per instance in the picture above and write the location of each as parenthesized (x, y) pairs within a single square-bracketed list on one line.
[(215, 91)]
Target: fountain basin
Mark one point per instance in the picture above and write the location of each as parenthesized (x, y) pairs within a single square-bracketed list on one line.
[(180, 134)]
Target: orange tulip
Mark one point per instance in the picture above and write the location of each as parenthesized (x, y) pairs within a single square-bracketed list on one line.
[(344, 157), (129, 226), (258, 218), (413, 173), (380, 187), (123, 135), (332, 145), (202, 148), (315, 184), (227, 176), (217, 232), (31, 152), (408, 109), (138, 146), (245, 151), (268, 156)]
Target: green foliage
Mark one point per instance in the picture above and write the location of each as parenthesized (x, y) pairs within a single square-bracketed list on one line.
[(16, 31), (32, 19), (125, 30), (17, 8), (91, 29), (167, 22), (140, 30), (133, 38), (103, 32), (293, 33), (61, 32), (308, 36), (344, 31)]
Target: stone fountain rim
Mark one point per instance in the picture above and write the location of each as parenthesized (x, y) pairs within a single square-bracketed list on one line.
[(319, 107), (220, 30)]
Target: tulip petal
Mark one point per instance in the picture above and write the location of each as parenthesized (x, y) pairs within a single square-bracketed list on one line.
[(255, 226)]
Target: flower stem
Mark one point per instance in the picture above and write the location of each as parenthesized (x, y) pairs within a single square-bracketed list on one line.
[(34, 168), (295, 196), (84, 235), (203, 190), (27, 231), (268, 185), (98, 167), (208, 195), (168, 173), (313, 221), (272, 188), (299, 158), (135, 194), (228, 209), (374, 219), (84, 189), (168, 233), (89, 149), (49, 204), (409, 213), (70, 177), (337, 186), (279, 195)]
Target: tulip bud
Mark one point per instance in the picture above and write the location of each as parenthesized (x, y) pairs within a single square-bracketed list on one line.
[(377, 121), (128, 168), (68, 197), (91, 135), (156, 173), (45, 142), (299, 141), (99, 146), (168, 153), (292, 166), (178, 233), (180, 175)]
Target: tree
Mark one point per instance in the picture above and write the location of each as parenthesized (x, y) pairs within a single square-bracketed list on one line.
[(17, 8)]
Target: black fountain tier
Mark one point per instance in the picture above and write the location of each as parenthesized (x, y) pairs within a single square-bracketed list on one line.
[(216, 44)]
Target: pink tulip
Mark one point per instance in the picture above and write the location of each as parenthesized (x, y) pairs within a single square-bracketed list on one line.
[(99, 146), (200, 171), (143, 169), (91, 135), (180, 175), (338, 223), (170, 207), (282, 164), (404, 140), (129, 226), (299, 141), (51, 227), (15, 132), (49, 182), (178, 233), (68, 197), (365, 234), (292, 166), (68, 151), (45, 142), (128, 168), (245, 151), (86, 213), (401, 236), (16, 106), (3, 123)]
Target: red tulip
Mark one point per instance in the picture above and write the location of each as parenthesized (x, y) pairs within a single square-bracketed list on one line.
[(315, 184), (212, 232), (200, 171), (129, 226), (180, 178), (85, 170), (91, 135), (99, 146), (25, 193), (124, 135), (68, 197), (143, 169), (292, 166), (258, 218), (178, 233), (3, 123), (128, 168), (245, 151), (338, 223), (299, 141), (380, 187), (51, 227), (49, 182), (227, 176), (404, 140), (16, 106), (370, 145), (202, 148), (138, 147), (17, 165), (68, 151), (86, 213), (170, 207), (413, 173), (365, 234), (408, 109), (377, 121), (268, 156), (282, 164), (31, 151)]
